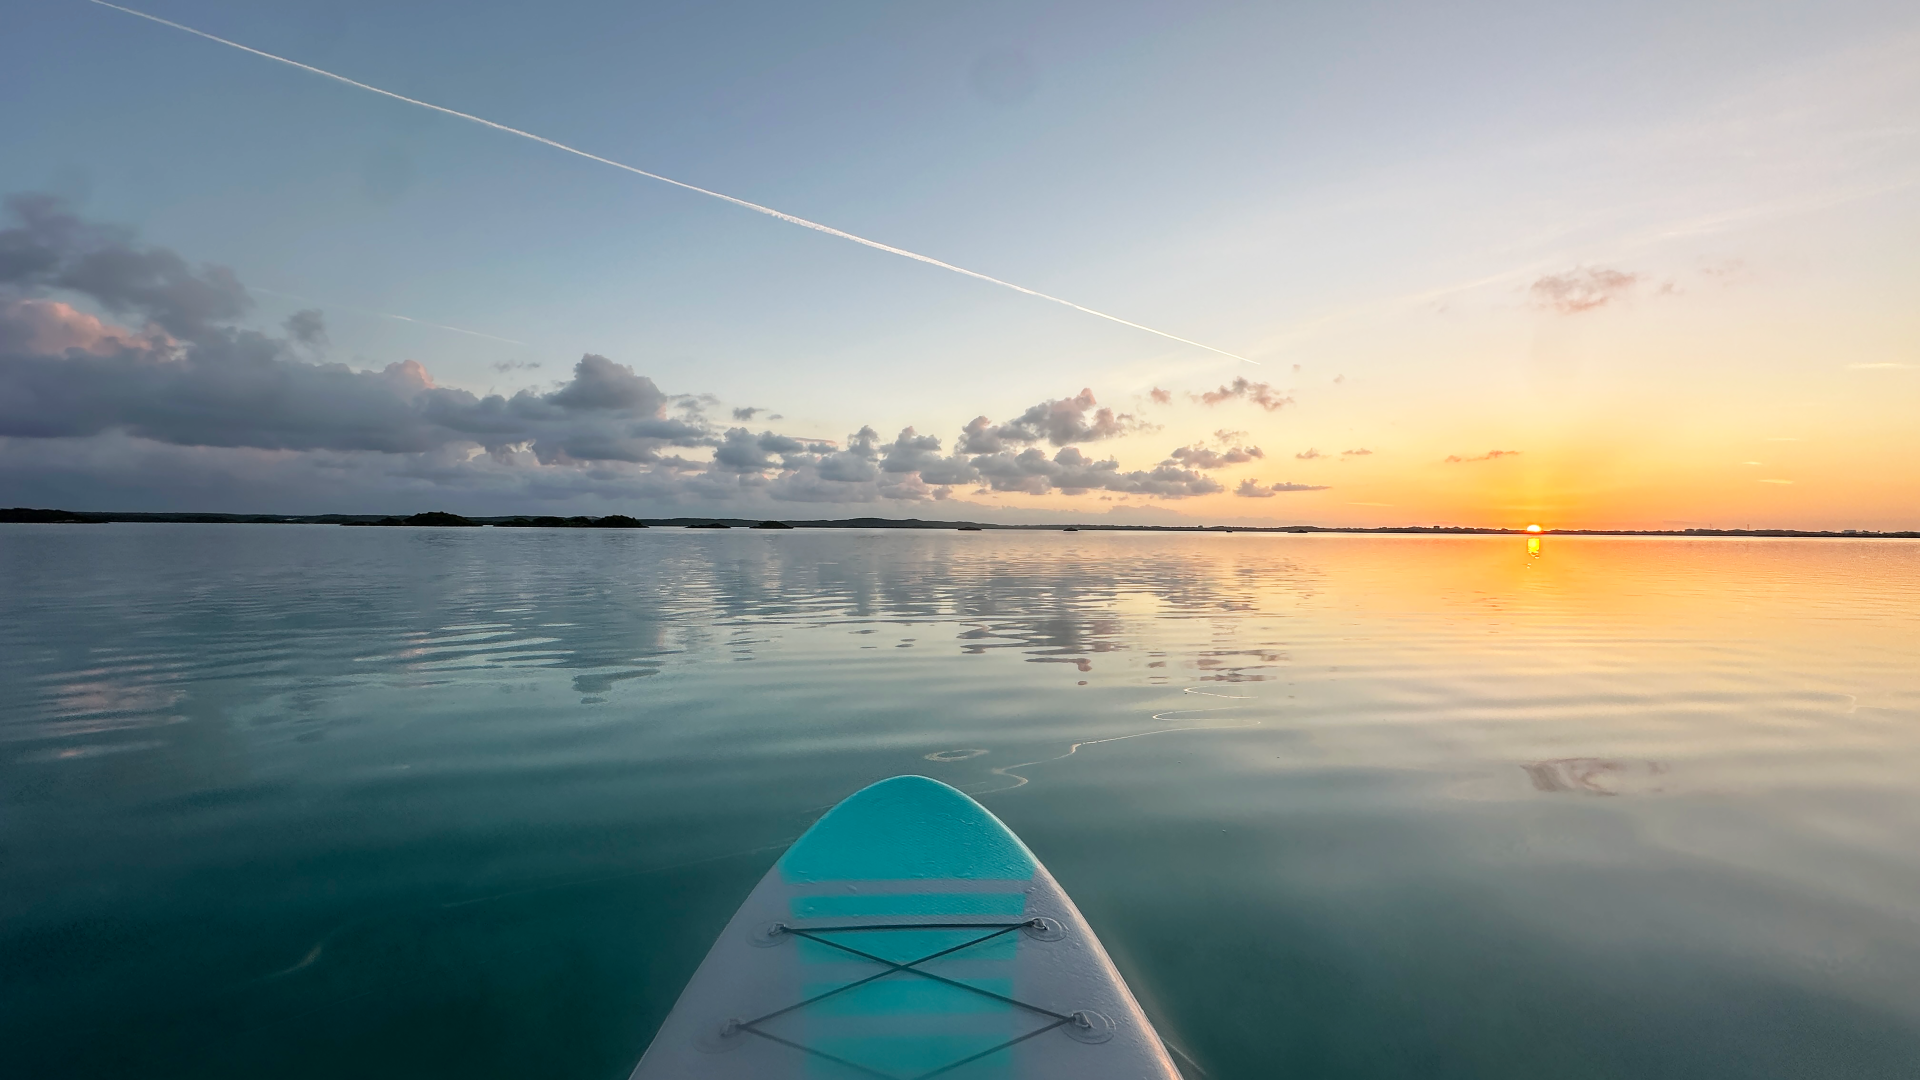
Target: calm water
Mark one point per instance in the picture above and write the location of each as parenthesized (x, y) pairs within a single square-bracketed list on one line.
[(304, 801)]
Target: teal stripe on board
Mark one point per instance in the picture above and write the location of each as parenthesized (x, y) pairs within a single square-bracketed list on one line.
[(904, 946), (907, 828), (907, 904), (909, 995)]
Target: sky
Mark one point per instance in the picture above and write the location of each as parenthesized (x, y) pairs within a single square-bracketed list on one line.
[(1641, 265)]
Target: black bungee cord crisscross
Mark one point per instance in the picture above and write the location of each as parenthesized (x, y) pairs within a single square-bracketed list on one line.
[(913, 967)]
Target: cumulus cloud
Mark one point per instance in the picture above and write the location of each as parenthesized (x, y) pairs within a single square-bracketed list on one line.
[(1261, 394), (1583, 288), (1071, 472), (1161, 397), (1077, 419), (1201, 457), (1253, 489), (1491, 455), (50, 247), (194, 403)]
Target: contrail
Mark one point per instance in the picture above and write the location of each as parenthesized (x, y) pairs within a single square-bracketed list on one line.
[(383, 315), (755, 207)]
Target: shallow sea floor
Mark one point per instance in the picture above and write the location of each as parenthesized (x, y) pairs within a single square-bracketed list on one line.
[(306, 801)]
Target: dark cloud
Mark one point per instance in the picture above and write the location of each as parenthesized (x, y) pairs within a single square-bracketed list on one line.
[(241, 388), (505, 366), (308, 327), (741, 451), (748, 413), (1061, 423), (1261, 394), (48, 247), (1491, 455), (1583, 288)]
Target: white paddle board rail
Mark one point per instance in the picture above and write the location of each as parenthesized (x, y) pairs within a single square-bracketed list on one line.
[(907, 935)]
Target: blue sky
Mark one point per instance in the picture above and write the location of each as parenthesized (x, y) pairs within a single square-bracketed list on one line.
[(1367, 191)]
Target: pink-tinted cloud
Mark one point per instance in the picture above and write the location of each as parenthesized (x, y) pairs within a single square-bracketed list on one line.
[(51, 328), (1583, 288), (1491, 455), (1261, 394)]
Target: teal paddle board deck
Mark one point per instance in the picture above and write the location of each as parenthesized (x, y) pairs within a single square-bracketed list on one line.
[(907, 935)]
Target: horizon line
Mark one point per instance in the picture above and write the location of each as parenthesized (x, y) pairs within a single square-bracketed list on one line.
[(18, 515)]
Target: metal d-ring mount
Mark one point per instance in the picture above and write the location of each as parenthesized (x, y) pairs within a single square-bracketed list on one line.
[(1043, 929), (1088, 1026), (771, 934)]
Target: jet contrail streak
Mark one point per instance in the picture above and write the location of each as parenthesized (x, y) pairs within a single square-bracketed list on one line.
[(382, 315), (755, 207)]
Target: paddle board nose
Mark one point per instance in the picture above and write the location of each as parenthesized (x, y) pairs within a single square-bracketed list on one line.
[(908, 934)]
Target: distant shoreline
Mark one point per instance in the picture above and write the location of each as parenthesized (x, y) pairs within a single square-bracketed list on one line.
[(26, 515)]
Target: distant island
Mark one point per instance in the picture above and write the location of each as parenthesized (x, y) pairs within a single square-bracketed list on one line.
[(442, 519)]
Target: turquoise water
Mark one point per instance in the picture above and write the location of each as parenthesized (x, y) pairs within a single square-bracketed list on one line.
[(303, 801)]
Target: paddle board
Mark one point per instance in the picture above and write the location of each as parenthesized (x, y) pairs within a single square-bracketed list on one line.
[(907, 935)]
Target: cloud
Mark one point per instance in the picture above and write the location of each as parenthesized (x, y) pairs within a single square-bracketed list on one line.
[(1491, 455), (1061, 423), (1161, 397), (195, 411), (505, 366), (1362, 452), (1073, 473), (50, 247), (1583, 288), (52, 328), (1253, 489), (1261, 394), (1309, 454), (308, 327), (1200, 457)]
